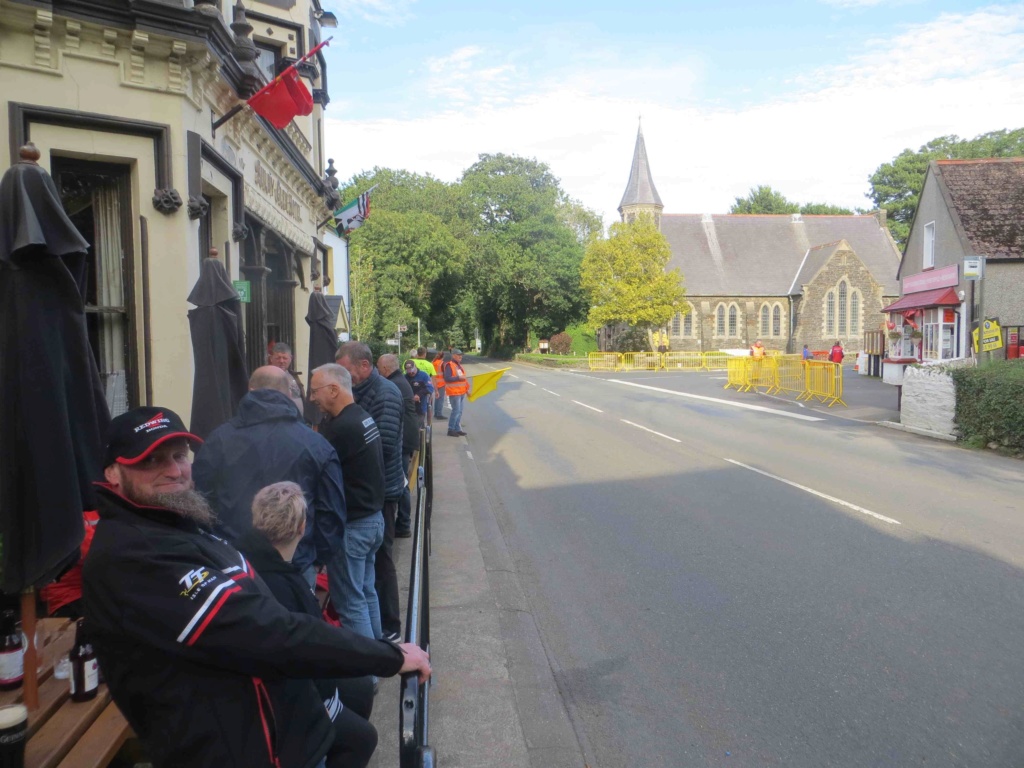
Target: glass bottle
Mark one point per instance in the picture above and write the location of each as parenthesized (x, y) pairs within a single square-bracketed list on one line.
[(12, 653), (85, 672)]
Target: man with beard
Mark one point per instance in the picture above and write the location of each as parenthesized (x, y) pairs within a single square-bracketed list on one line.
[(207, 667)]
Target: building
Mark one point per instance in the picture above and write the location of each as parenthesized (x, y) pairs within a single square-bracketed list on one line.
[(967, 208), (121, 99), (788, 280)]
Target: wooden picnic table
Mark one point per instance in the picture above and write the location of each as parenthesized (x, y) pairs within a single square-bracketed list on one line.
[(63, 733)]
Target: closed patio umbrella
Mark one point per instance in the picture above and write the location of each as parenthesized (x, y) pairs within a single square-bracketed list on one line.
[(323, 338), (218, 349)]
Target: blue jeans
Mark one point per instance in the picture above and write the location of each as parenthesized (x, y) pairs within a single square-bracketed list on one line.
[(439, 404), (353, 573), (455, 420)]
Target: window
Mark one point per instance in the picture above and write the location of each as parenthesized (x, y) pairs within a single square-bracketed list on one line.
[(720, 325), (777, 320), (929, 245), (938, 331), (855, 313), (269, 56), (676, 319), (764, 319), (842, 308), (688, 323), (830, 314), (732, 320)]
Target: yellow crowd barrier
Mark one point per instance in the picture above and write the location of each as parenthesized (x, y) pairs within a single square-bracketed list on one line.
[(824, 382), (685, 361), (736, 373), (640, 361), (717, 361), (790, 374), (603, 361)]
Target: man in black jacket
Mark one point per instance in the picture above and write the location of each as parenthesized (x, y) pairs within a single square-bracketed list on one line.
[(207, 667), (382, 400), (387, 366)]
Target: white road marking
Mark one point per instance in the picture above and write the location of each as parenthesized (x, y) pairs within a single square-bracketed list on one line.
[(470, 454), (645, 429), (530, 382), (512, 375), (719, 401), (550, 392), (588, 406), (825, 496)]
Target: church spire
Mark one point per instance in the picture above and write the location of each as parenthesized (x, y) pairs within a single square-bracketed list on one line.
[(640, 196)]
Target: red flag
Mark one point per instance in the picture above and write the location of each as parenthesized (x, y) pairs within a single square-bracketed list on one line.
[(283, 99)]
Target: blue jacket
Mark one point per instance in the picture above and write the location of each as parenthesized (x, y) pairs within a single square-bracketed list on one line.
[(267, 442), (423, 386), (382, 400)]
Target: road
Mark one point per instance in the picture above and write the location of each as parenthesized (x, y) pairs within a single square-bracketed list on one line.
[(723, 585)]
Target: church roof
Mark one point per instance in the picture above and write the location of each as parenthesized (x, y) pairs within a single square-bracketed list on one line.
[(640, 189), (764, 255)]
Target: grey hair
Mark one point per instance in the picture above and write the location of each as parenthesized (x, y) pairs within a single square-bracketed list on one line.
[(270, 377), (336, 374), (281, 347), (355, 351), (279, 511), (389, 362)]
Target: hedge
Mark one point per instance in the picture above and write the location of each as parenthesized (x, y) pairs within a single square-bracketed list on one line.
[(553, 361), (990, 404)]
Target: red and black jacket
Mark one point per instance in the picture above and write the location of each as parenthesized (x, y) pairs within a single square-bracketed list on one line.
[(207, 667)]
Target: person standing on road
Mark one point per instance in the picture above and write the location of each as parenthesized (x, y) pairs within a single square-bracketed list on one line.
[(421, 362), (383, 402), (807, 354), (457, 385), (354, 435), (836, 353), (387, 366), (422, 388), (208, 668)]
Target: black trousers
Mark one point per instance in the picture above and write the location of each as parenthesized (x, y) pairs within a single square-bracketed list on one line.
[(386, 577)]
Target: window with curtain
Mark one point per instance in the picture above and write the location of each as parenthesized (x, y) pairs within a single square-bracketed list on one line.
[(830, 313), (720, 325), (843, 307), (732, 320), (776, 320), (764, 319)]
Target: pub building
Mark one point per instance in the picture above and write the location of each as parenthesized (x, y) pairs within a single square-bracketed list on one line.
[(122, 99)]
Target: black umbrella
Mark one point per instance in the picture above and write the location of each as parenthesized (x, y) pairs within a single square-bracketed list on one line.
[(52, 410), (323, 338), (218, 349)]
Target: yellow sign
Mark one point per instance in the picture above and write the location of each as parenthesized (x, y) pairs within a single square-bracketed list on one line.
[(991, 337)]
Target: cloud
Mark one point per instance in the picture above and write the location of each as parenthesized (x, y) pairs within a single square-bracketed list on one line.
[(386, 12), (818, 140)]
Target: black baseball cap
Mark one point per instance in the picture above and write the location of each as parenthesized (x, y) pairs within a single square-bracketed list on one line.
[(134, 435)]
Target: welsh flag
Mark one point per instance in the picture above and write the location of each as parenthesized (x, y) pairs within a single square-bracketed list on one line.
[(353, 215)]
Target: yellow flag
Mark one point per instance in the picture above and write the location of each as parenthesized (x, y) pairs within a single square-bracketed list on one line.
[(483, 383)]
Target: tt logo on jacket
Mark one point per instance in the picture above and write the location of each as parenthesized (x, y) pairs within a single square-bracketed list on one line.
[(193, 579)]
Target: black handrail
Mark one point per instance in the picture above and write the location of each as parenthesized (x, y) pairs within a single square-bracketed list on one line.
[(413, 715)]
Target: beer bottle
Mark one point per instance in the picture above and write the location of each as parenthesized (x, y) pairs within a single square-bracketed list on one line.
[(12, 653), (85, 672)]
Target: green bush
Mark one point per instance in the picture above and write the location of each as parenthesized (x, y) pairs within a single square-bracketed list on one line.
[(553, 361), (990, 404), (584, 340)]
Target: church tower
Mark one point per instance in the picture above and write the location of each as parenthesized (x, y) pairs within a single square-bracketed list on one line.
[(640, 195)]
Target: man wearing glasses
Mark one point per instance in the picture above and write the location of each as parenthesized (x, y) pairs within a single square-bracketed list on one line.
[(356, 439)]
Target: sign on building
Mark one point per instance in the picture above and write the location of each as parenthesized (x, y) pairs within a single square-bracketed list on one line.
[(991, 336), (974, 268), (244, 288)]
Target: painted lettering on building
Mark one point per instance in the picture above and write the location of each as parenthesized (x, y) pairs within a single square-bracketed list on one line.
[(270, 185)]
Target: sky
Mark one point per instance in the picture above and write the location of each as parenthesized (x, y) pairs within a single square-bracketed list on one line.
[(808, 96)]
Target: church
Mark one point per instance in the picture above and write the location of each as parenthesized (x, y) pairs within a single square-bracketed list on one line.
[(788, 280)]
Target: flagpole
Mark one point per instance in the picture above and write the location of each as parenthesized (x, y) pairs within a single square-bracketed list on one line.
[(239, 107)]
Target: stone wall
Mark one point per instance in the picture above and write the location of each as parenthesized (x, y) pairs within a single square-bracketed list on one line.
[(929, 400)]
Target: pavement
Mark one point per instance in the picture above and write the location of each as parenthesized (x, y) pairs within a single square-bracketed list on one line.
[(494, 700)]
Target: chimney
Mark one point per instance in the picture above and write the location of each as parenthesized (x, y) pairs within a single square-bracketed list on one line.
[(880, 214)]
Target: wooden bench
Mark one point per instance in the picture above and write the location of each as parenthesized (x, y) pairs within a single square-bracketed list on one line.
[(63, 733)]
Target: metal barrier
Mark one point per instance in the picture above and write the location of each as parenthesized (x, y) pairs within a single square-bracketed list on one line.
[(413, 715), (824, 382), (736, 378), (718, 361), (640, 361), (603, 361), (790, 374), (761, 373), (685, 361)]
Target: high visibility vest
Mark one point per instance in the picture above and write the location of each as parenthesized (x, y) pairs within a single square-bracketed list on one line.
[(757, 351), (438, 377), (456, 388)]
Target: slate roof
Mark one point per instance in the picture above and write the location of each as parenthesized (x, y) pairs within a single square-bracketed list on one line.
[(763, 255), (987, 199), (640, 188)]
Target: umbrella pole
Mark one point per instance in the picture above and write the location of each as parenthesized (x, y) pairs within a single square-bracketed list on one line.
[(30, 685)]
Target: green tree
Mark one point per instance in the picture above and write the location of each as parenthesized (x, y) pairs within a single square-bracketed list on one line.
[(626, 281), (824, 209), (764, 199), (896, 185)]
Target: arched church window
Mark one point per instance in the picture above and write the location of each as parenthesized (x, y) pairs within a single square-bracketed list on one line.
[(843, 308), (830, 313), (764, 320), (720, 324), (732, 320), (776, 320), (676, 320), (688, 322), (854, 312)]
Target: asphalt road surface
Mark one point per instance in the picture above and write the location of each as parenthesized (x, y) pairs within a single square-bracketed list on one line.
[(726, 580)]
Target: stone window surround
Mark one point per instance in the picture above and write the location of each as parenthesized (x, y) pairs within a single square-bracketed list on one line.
[(729, 317), (842, 324), (770, 319)]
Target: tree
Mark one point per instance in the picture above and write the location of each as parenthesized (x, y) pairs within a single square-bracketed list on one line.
[(764, 199), (896, 185), (626, 280), (824, 209)]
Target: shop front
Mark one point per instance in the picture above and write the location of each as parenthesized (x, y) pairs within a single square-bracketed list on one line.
[(927, 324)]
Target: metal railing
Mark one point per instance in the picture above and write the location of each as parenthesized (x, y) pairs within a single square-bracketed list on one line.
[(414, 698)]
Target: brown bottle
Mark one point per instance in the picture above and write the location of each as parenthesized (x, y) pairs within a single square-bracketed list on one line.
[(85, 672), (12, 653)]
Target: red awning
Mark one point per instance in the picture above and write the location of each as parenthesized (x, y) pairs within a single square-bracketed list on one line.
[(940, 297)]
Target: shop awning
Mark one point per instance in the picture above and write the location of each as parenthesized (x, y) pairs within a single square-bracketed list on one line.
[(940, 297)]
